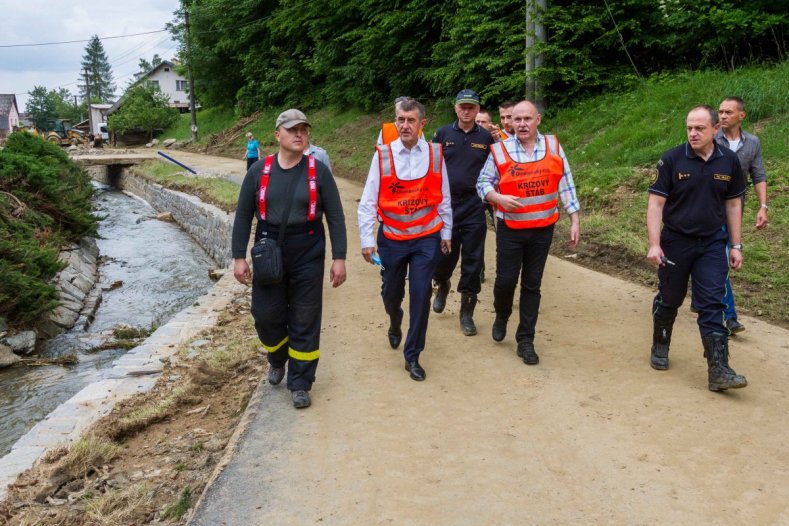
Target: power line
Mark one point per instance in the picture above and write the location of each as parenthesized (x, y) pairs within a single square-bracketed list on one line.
[(622, 40), (78, 41)]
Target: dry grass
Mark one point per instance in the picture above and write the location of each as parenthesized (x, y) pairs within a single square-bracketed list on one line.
[(118, 507), (88, 454), (149, 414)]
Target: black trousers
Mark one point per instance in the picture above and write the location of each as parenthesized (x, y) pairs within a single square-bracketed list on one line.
[(469, 228), (703, 259), (288, 314), (417, 258), (520, 252), (251, 161)]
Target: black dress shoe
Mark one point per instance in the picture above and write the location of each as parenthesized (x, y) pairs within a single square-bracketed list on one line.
[(416, 371), (499, 329), (395, 337), (395, 332)]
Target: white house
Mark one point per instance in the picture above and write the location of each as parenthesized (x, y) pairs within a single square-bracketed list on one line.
[(9, 115), (171, 83)]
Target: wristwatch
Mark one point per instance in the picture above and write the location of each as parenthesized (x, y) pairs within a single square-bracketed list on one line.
[(738, 246), (764, 205)]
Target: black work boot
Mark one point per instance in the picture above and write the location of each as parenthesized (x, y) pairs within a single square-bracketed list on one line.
[(440, 301), (467, 304), (663, 323), (499, 330), (721, 376), (526, 351), (661, 339)]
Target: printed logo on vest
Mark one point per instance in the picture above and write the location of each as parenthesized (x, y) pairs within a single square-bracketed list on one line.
[(395, 187), (681, 176), (722, 177)]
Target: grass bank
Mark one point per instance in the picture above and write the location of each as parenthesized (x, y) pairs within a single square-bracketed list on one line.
[(218, 192), (613, 142)]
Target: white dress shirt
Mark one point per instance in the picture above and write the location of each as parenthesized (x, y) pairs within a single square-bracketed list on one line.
[(409, 164)]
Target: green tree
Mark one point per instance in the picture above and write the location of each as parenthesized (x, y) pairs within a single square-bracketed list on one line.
[(40, 107), (99, 72), (146, 66), (143, 107), (43, 105)]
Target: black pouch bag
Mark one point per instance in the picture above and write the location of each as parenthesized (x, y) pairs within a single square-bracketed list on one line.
[(267, 268), (266, 262)]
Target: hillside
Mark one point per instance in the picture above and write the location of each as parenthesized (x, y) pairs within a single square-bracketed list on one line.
[(612, 142)]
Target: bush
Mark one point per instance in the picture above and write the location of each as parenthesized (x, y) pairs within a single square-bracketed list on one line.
[(44, 203)]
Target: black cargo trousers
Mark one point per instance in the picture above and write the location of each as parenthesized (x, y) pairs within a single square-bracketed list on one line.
[(288, 314)]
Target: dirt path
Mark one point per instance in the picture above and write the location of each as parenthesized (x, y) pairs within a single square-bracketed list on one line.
[(592, 435)]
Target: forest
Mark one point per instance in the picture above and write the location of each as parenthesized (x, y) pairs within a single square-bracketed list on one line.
[(249, 54)]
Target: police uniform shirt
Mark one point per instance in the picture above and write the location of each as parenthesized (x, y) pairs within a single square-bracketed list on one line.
[(465, 154), (696, 190)]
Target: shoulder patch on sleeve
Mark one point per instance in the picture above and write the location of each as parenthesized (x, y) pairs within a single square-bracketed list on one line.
[(654, 176)]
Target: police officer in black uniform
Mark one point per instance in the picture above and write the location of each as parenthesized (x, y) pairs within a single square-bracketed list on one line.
[(466, 146), (695, 191)]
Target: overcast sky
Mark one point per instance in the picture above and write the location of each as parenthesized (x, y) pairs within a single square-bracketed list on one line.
[(53, 66)]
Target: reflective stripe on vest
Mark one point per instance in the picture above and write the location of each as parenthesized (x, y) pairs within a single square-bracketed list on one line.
[(312, 182), (417, 214), (534, 183)]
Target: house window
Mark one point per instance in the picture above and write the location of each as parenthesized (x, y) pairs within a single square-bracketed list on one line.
[(181, 85), (154, 83), (167, 69)]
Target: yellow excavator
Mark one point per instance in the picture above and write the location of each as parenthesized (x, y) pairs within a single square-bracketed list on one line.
[(59, 131)]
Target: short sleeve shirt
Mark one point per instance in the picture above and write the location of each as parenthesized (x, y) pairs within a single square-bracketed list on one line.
[(252, 148), (696, 190), (465, 154)]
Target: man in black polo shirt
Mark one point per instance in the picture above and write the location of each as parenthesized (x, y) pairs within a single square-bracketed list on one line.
[(466, 147), (694, 192)]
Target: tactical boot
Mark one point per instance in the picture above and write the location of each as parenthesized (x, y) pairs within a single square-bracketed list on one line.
[(440, 301), (721, 376), (467, 304), (663, 323), (661, 339), (499, 330)]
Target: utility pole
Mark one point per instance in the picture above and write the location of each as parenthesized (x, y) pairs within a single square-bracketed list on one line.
[(192, 108), (87, 97), (76, 105), (535, 34)]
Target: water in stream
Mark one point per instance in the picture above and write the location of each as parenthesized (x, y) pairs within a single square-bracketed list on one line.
[(163, 271)]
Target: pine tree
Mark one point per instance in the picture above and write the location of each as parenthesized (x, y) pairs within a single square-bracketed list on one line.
[(102, 86)]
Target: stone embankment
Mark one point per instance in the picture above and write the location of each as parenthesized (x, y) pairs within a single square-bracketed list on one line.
[(138, 369), (79, 299), (207, 224)]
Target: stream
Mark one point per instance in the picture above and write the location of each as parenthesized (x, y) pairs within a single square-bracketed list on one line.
[(163, 270)]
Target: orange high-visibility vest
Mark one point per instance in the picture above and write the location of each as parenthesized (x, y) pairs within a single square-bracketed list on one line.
[(389, 133), (504, 135), (536, 183), (409, 209)]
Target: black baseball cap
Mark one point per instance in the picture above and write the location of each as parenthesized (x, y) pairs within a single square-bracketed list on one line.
[(467, 96)]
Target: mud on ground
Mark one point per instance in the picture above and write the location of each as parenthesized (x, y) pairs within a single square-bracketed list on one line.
[(149, 460)]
